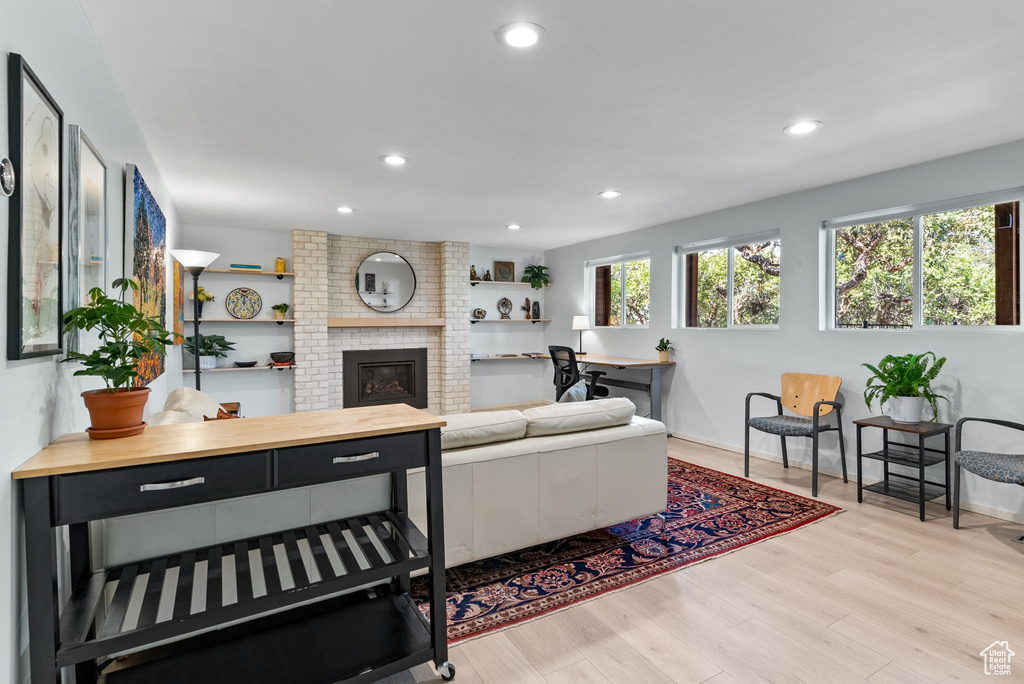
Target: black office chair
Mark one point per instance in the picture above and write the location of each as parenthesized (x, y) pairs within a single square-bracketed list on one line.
[(567, 373)]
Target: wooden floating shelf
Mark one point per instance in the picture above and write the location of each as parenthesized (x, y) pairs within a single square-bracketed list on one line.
[(279, 321), (509, 320), (503, 358), (380, 322), (236, 368), (474, 283), (288, 274)]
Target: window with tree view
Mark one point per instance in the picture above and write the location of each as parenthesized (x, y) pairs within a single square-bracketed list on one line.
[(734, 286), (968, 272), (622, 293)]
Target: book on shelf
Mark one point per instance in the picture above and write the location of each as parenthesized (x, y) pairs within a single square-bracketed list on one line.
[(246, 267), (478, 356)]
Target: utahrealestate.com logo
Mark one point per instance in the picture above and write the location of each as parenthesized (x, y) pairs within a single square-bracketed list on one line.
[(997, 658)]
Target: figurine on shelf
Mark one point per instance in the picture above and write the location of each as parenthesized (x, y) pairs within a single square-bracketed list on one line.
[(472, 273), (487, 276), (526, 307), (479, 314), (280, 265), (505, 307), (536, 310)]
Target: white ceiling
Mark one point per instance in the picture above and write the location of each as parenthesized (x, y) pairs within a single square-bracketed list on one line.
[(270, 114)]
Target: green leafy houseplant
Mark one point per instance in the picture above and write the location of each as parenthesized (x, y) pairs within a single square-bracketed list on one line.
[(209, 345), (126, 336), (280, 310), (664, 345), (536, 275), (904, 376)]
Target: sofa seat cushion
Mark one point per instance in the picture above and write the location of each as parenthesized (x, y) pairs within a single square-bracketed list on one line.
[(557, 419), (487, 427), (193, 402)]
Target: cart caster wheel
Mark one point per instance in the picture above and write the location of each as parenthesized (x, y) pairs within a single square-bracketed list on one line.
[(447, 671)]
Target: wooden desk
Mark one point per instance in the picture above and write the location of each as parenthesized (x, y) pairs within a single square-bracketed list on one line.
[(622, 363), (76, 480)]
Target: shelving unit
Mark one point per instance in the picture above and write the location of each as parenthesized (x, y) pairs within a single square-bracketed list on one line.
[(280, 276), (509, 320), (502, 358), (279, 321), (236, 368), (474, 283)]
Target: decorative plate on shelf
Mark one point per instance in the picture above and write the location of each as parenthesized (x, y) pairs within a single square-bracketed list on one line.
[(243, 302)]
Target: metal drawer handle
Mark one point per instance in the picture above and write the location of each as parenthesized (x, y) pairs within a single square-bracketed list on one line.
[(157, 486), (353, 459)]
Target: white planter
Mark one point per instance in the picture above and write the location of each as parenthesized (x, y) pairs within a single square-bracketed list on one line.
[(906, 409), (207, 362)]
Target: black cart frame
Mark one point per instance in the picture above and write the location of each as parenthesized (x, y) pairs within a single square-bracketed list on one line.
[(317, 634)]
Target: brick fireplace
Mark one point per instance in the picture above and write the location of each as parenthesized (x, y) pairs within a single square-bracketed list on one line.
[(329, 317)]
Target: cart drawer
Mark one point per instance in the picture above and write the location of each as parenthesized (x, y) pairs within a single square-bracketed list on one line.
[(314, 463), (110, 493)]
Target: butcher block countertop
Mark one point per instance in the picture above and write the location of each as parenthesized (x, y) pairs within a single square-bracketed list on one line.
[(76, 453)]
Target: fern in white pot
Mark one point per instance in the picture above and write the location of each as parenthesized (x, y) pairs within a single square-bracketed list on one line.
[(905, 383)]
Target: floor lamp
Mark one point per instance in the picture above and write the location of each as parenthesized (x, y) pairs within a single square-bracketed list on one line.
[(581, 323), (195, 262)]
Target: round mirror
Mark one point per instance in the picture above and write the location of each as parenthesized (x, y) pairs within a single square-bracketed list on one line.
[(385, 282)]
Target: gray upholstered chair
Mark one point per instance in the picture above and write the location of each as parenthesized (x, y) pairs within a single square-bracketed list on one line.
[(1008, 468), (808, 395)]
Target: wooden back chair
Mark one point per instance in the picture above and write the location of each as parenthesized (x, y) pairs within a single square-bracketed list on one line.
[(810, 397)]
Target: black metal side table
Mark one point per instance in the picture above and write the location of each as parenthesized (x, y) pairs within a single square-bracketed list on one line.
[(915, 488)]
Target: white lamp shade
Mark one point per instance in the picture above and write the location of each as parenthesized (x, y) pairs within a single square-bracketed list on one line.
[(191, 258), (581, 322)]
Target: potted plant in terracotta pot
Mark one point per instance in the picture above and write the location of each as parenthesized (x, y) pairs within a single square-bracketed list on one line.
[(905, 382), (126, 335), (280, 310), (665, 350), (210, 347)]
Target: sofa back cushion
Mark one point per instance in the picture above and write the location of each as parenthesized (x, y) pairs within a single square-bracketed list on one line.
[(557, 419), (487, 427), (192, 402)]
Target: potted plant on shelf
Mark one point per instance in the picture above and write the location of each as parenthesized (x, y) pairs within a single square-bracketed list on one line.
[(204, 296), (280, 310), (905, 383), (536, 275), (665, 350), (126, 335), (210, 347)]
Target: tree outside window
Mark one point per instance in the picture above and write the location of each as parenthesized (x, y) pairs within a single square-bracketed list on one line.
[(622, 293), (968, 275), (753, 297)]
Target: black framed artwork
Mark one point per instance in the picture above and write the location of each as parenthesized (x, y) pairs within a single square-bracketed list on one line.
[(35, 280)]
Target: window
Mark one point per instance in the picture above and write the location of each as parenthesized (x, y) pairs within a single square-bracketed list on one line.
[(950, 263), (733, 284), (622, 292)]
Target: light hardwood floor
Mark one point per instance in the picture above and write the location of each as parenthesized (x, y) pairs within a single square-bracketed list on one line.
[(870, 595)]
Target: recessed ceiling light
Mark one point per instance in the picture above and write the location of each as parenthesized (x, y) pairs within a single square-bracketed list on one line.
[(609, 194), (394, 159), (520, 34), (803, 127), (345, 210), (513, 226)]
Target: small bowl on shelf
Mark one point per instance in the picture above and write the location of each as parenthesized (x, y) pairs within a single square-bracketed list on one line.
[(244, 364), (282, 357)]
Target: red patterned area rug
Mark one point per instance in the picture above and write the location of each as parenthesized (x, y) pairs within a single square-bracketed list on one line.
[(709, 514)]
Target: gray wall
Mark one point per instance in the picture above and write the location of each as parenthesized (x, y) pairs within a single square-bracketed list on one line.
[(716, 368), (39, 398)]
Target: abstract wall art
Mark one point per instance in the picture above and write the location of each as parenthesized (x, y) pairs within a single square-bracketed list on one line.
[(34, 267), (145, 261)]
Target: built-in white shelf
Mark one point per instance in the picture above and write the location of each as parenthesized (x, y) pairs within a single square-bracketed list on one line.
[(509, 320), (236, 368), (474, 283)]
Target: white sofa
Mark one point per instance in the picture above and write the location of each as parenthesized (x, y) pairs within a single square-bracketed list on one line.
[(511, 480)]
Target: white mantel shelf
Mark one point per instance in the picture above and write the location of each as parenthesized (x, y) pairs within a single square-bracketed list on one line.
[(381, 322)]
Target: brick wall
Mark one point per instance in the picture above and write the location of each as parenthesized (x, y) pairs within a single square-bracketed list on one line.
[(310, 294), (442, 291)]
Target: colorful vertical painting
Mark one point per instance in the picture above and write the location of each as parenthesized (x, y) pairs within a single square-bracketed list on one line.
[(179, 302), (146, 261)]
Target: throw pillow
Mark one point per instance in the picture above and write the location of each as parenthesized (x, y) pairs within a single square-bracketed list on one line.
[(221, 415), (577, 392)]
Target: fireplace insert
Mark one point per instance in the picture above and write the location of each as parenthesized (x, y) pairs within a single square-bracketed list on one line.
[(384, 376)]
